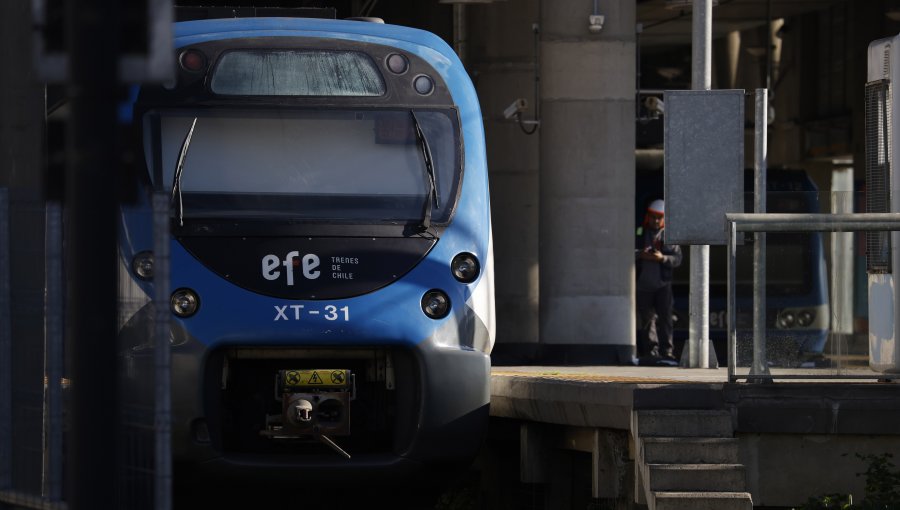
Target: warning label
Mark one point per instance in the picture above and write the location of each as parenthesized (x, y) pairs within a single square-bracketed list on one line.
[(331, 378)]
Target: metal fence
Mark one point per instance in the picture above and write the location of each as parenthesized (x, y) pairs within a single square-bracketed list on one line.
[(35, 408), (29, 436)]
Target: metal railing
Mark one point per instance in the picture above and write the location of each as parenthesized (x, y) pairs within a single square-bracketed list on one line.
[(749, 222)]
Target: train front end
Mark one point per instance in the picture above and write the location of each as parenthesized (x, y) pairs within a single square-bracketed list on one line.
[(331, 265)]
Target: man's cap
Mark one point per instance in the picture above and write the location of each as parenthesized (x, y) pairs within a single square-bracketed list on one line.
[(657, 207)]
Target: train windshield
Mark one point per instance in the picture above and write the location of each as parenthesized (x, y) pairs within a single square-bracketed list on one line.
[(360, 165), (296, 73)]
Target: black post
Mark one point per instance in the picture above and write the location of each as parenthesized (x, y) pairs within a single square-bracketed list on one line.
[(90, 251)]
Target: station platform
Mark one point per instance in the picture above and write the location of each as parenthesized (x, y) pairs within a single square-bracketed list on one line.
[(792, 438), (604, 396)]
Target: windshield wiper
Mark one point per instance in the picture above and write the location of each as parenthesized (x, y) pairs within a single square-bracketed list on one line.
[(429, 170), (179, 169)]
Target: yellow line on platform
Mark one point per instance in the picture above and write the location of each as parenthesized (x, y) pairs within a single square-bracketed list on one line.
[(589, 377)]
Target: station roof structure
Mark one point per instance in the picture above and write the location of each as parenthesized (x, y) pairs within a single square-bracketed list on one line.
[(668, 22)]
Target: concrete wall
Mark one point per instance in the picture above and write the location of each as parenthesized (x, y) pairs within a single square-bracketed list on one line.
[(786, 469)]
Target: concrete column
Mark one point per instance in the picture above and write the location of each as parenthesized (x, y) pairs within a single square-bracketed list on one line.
[(587, 182), (842, 255), (729, 57)]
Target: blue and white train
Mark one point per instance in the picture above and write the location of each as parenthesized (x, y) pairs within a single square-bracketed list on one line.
[(331, 259)]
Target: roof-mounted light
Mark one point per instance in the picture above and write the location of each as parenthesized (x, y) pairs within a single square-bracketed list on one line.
[(397, 63), (193, 61), (423, 84)]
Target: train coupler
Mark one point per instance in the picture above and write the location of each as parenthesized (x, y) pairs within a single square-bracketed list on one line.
[(315, 404)]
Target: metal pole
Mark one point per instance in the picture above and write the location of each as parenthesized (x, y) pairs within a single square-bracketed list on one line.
[(701, 45), (768, 46), (91, 260), (638, 28), (760, 365), (53, 355), (732, 313), (5, 347), (536, 30), (701, 49), (163, 360), (459, 31)]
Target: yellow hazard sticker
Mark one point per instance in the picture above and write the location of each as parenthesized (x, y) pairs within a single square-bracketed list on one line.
[(316, 378)]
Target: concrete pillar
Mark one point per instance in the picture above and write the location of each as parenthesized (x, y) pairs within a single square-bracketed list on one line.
[(534, 451), (729, 58), (842, 259), (587, 183)]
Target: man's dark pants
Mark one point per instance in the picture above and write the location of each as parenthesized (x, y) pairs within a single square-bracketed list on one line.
[(654, 315)]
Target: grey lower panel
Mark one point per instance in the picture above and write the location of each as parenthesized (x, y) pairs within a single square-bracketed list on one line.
[(442, 422), (455, 406)]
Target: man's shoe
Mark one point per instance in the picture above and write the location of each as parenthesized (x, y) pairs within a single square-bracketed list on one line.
[(667, 361)]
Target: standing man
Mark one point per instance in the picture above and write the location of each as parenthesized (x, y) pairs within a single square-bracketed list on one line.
[(654, 264)]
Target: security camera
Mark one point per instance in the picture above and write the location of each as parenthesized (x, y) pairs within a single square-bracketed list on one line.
[(516, 108), (655, 106), (595, 23)]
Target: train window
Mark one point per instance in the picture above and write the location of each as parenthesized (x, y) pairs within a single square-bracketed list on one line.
[(344, 164), (296, 73), (790, 266)]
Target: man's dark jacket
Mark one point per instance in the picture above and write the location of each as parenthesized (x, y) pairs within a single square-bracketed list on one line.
[(647, 237)]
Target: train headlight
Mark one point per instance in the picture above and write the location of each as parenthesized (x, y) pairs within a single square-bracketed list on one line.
[(786, 320), (465, 267), (436, 304), (142, 265), (184, 302), (808, 318), (805, 318)]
